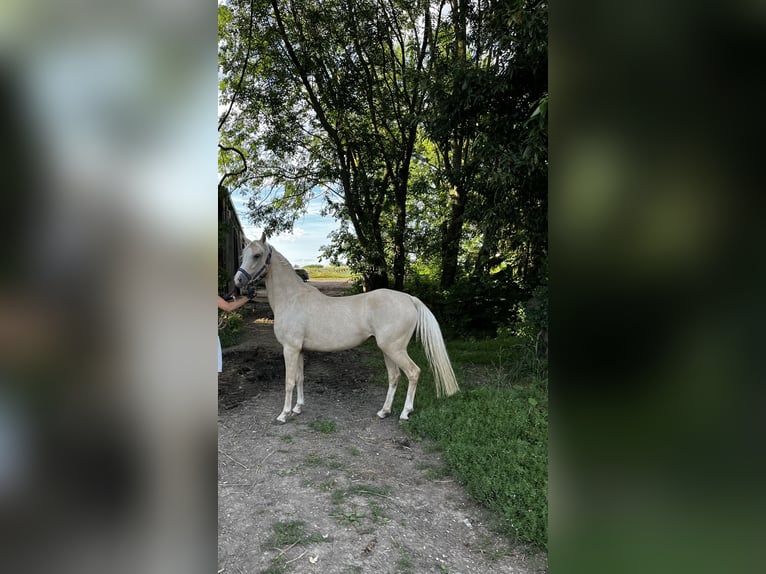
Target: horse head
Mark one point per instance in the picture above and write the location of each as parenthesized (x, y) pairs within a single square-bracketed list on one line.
[(256, 258)]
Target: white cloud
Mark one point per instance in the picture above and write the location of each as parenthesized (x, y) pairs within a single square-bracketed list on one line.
[(295, 235)]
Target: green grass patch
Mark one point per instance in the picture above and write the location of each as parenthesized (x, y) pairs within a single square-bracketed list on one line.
[(292, 533), (329, 272), (353, 516), (350, 517), (404, 562), (367, 490), (314, 460), (277, 567), (377, 514), (494, 433), (324, 426), (435, 472), (359, 490)]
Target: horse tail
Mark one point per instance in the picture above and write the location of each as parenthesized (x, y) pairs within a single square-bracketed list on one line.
[(430, 336)]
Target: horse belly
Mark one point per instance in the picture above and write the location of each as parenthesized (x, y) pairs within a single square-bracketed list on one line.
[(334, 336)]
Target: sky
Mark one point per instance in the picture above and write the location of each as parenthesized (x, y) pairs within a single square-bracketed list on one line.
[(302, 246)]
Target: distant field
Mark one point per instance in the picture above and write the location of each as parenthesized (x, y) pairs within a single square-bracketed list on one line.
[(329, 272)]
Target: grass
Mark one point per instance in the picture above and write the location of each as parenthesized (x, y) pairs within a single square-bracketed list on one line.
[(291, 533), (330, 272), (404, 562), (314, 461), (350, 517), (353, 516), (286, 535), (277, 567), (435, 472), (323, 426), (494, 433)]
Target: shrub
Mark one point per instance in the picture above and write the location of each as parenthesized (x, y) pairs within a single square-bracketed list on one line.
[(471, 307), (230, 328), (533, 320)]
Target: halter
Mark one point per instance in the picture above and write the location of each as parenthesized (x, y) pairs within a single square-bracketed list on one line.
[(261, 272)]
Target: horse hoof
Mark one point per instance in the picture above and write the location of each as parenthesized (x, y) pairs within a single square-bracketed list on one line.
[(382, 414), (296, 410), (281, 420), (404, 417)]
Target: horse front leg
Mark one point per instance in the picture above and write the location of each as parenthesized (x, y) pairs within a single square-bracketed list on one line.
[(291, 369), (299, 385)]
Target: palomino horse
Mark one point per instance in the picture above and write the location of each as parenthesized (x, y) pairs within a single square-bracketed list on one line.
[(307, 320)]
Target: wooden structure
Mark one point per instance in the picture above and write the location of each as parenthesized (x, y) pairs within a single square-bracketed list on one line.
[(231, 241)]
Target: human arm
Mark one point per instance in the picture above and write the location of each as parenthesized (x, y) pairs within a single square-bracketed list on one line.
[(229, 306)]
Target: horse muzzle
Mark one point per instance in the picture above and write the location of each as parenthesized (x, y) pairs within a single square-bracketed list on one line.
[(242, 278)]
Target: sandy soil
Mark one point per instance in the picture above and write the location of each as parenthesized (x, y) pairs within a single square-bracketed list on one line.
[(366, 496)]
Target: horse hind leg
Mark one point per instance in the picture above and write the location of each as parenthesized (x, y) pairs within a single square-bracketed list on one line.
[(299, 385), (393, 379), (412, 371), (401, 360)]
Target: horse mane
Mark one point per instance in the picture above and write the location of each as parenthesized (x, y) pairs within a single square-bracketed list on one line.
[(277, 257)]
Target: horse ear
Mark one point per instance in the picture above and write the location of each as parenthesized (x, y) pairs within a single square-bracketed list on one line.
[(263, 237)]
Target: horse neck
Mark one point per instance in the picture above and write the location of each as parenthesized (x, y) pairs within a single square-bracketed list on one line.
[(281, 281)]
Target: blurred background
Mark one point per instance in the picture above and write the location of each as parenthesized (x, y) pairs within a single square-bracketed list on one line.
[(657, 282), (107, 275)]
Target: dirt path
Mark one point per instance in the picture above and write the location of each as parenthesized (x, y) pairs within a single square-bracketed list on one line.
[(336, 489)]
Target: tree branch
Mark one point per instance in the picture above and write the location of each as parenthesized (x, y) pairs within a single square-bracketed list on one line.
[(242, 74), (232, 174)]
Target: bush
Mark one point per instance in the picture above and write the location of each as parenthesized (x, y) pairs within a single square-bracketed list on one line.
[(533, 320), (230, 328), (471, 307)]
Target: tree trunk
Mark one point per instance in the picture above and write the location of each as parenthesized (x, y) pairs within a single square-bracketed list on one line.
[(453, 231), (486, 257), (454, 161), (399, 252), (377, 276)]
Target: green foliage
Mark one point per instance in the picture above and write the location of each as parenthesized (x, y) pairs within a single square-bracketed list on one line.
[(471, 307), (533, 323), (427, 146), (230, 331)]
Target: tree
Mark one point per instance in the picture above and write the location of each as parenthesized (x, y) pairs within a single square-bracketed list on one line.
[(491, 72), (353, 74), (511, 202), (423, 125)]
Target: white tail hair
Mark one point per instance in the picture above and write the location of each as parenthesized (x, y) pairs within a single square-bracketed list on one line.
[(430, 336)]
